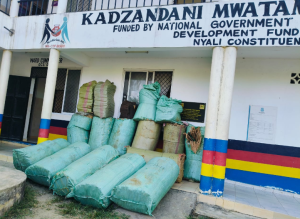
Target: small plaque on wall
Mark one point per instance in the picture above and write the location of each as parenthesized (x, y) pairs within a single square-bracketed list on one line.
[(193, 112)]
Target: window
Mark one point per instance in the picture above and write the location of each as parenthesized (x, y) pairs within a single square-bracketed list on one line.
[(134, 82), (66, 91)]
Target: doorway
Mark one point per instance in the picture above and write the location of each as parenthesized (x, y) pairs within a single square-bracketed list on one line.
[(36, 110)]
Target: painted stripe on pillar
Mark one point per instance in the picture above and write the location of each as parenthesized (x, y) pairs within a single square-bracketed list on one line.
[(205, 185), (207, 170), (218, 187), (41, 140), (1, 117), (219, 172), (45, 123), (208, 157), (44, 130), (209, 144), (43, 133), (221, 145), (220, 159)]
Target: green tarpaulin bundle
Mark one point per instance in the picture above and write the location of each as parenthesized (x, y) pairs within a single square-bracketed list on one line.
[(24, 157), (96, 189), (79, 128), (143, 191), (104, 104), (65, 180), (43, 171), (148, 97), (86, 97), (100, 131), (168, 110), (193, 161), (122, 134)]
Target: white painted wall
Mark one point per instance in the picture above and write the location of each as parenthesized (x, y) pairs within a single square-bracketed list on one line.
[(257, 82), (5, 21)]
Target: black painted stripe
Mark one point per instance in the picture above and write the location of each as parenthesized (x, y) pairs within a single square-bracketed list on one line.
[(59, 123), (264, 148)]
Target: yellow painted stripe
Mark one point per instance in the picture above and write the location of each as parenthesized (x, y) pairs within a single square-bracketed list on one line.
[(207, 170), (55, 136), (219, 172), (0, 132), (263, 168), (41, 140)]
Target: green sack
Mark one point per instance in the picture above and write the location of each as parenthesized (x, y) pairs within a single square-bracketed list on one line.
[(78, 128), (86, 95), (65, 180), (96, 189), (143, 191), (24, 157), (43, 171), (122, 134), (193, 161), (168, 110), (104, 104), (174, 138), (148, 97), (100, 131)]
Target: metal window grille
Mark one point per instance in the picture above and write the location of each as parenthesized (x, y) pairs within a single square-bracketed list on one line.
[(59, 90), (79, 5), (5, 6), (71, 94), (35, 7), (165, 81), (295, 78)]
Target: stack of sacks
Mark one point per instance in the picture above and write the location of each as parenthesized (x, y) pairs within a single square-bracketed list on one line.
[(148, 155), (174, 138), (65, 180), (143, 191), (122, 134), (147, 135), (148, 97), (104, 104), (168, 110), (86, 97), (79, 128), (100, 131), (43, 171), (25, 157), (96, 189), (194, 151)]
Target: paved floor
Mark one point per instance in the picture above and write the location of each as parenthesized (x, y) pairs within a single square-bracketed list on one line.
[(260, 197)]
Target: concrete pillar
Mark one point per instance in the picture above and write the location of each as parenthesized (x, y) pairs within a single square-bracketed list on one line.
[(217, 121), (14, 8), (62, 6), (223, 121), (49, 95), (4, 76), (211, 120)]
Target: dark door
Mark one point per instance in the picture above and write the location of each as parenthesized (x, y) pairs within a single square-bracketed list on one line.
[(15, 108)]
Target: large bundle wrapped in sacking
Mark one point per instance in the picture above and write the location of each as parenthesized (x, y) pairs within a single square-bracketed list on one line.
[(122, 134), (79, 127), (96, 189), (86, 97), (148, 155), (24, 157), (65, 180), (174, 138), (143, 191), (147, 135), (148, 98), (168, 110), (104, 104), (194, 152), (100, 131), (43, 171)]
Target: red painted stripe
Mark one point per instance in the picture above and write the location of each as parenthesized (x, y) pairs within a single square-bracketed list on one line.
[(220, 159), (271, 159), (208, 157), (0, 125), (58, 130), (44, 133)]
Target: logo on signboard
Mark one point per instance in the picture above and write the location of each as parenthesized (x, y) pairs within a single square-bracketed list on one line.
[(50, 35)]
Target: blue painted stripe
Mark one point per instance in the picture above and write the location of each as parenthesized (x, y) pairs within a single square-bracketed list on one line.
[(259, 179), (217, 187), (209, 144), (221, 146), (205, 183), (1, 117), (45, 123), (264, 148), (59, 123)]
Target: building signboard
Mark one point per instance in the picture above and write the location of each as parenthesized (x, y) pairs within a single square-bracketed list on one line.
[(193, 112), (234, 23)]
